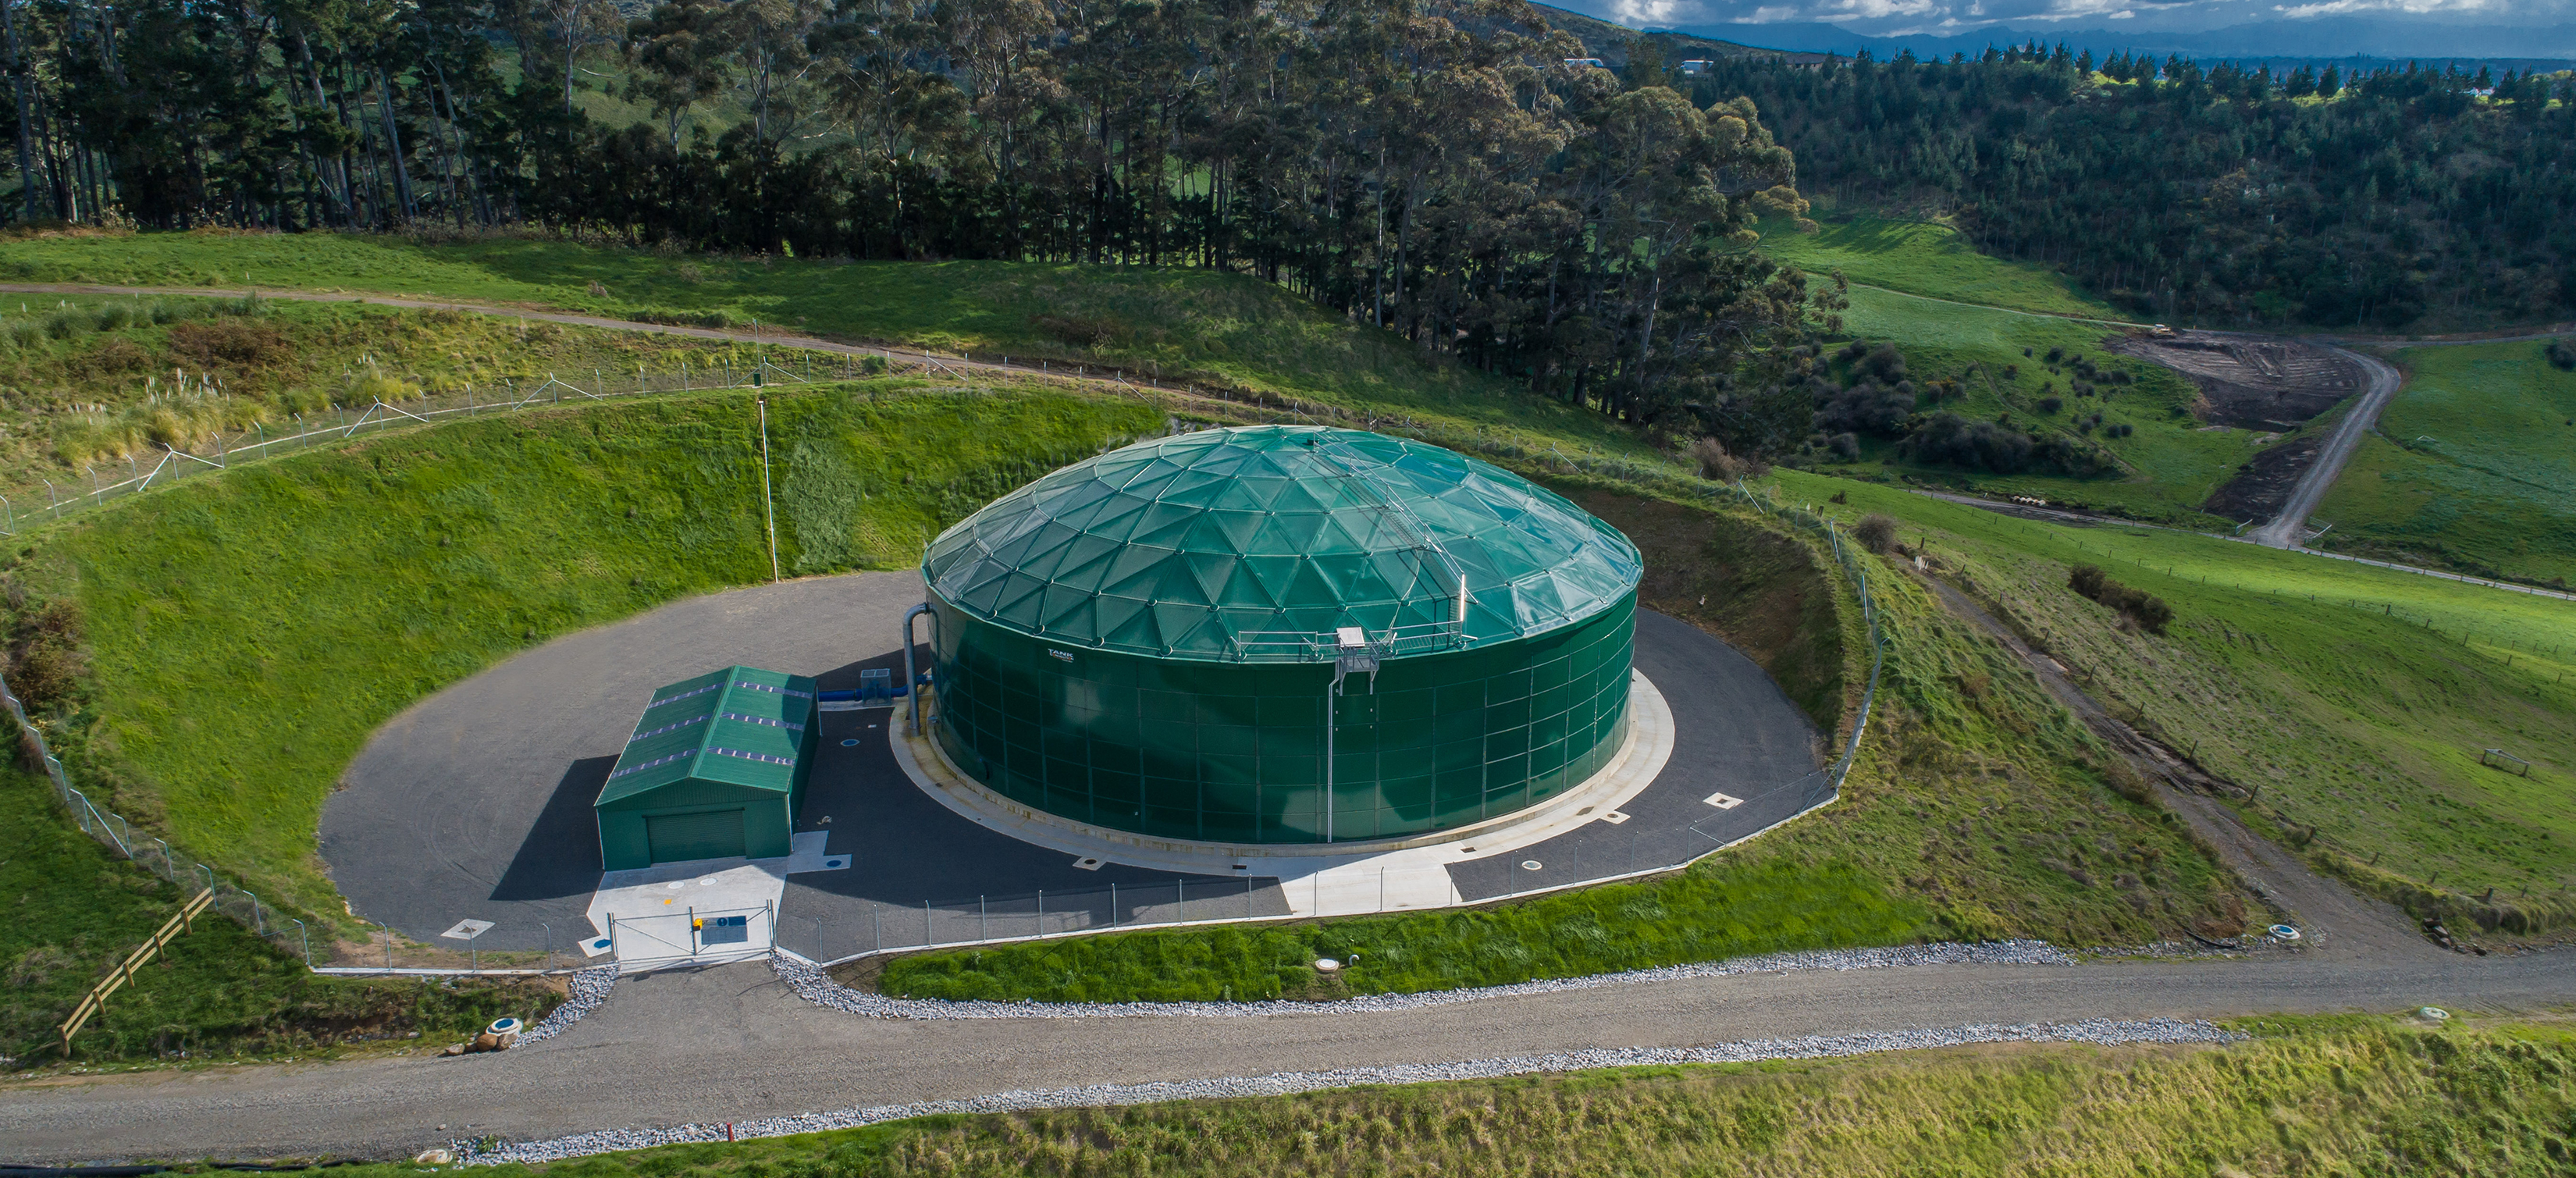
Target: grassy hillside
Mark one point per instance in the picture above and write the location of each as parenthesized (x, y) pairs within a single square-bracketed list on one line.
[(1920, 258), (2354, 1096), (105, 382), (1915, 278), (217, 993), (2356, 700), (2473, 467), (243, 639), (1185, 324)]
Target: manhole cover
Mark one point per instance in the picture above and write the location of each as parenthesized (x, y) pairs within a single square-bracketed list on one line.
[(1530, 865)]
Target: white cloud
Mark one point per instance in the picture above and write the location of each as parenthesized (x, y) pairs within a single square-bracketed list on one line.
[(1876, 9), (1644, 12), (2414, 7)]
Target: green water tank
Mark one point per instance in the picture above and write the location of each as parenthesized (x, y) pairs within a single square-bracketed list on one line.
[(1153, 640)]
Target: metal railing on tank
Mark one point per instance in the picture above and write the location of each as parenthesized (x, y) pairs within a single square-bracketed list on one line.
[(1298, 646)]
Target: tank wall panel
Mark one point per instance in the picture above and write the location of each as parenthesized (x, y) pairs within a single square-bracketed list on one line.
[(1235, 751)]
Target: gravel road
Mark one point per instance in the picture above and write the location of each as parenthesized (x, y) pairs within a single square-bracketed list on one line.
[(736, 1043), (2289, 529)]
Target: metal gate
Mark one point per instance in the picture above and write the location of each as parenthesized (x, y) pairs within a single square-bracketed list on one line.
[(696, 935)]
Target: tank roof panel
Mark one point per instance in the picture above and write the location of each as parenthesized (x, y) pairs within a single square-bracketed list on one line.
[(1259, 543)]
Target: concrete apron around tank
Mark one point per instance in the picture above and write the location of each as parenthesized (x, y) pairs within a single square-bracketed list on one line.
[(1321, 879)]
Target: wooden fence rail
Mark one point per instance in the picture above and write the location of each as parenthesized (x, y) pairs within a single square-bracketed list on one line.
[(96, 1000)]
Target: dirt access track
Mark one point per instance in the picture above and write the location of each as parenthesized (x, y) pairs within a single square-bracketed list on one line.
[(2256, 383)]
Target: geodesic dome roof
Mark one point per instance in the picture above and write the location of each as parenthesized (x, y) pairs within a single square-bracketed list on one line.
[(1260, 543)]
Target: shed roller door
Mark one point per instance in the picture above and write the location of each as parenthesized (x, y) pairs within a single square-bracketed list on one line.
[(673, 838)]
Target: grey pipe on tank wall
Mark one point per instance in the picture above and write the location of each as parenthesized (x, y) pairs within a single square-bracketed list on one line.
[(911, 679)]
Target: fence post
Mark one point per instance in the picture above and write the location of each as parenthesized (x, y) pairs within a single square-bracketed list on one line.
[(1041, 914), (926, 941), (983, 922), (306, 936), (1113, 905)]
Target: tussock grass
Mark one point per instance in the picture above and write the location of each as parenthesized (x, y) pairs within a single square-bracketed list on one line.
[(2349, 1095), (124, 377), (2470, 467)]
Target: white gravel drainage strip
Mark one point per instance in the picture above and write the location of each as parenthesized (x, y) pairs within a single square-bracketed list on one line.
[(817, 987), (584, 991), (2099, 1031)]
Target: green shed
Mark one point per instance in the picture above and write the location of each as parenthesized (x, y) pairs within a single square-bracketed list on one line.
[(715, 769)]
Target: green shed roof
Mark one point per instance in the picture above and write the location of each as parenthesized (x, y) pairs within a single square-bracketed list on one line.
[(1257, 543), (738, 726)]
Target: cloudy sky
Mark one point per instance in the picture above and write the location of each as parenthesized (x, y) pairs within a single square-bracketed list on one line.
[(1937, 17)]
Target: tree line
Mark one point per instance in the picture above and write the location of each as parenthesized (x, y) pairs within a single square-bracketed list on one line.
[(1441, 169), (2225, 195)]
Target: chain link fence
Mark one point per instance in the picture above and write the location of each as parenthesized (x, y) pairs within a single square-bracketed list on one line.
[(151, 853)]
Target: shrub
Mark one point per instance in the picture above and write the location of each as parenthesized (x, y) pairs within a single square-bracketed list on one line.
[(1884, 363), (236, 344), (2145, 609), (1845, 446), (1714, 462), (1876, 532), (2050, 404), (1866, 409), (2561, 355), (1948, 438)]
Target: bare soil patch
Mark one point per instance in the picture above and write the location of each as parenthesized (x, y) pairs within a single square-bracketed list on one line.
[(2252, 383)]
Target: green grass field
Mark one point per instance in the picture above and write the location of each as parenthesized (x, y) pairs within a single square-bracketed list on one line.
[(1915, 278), (1922, 258), (2472, 467), (1703, 916), (1185, 324), (2348, 1096), (2355, 699), (245, 635)]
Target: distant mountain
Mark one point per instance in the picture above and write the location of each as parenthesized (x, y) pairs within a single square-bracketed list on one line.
[(2325, 38)]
